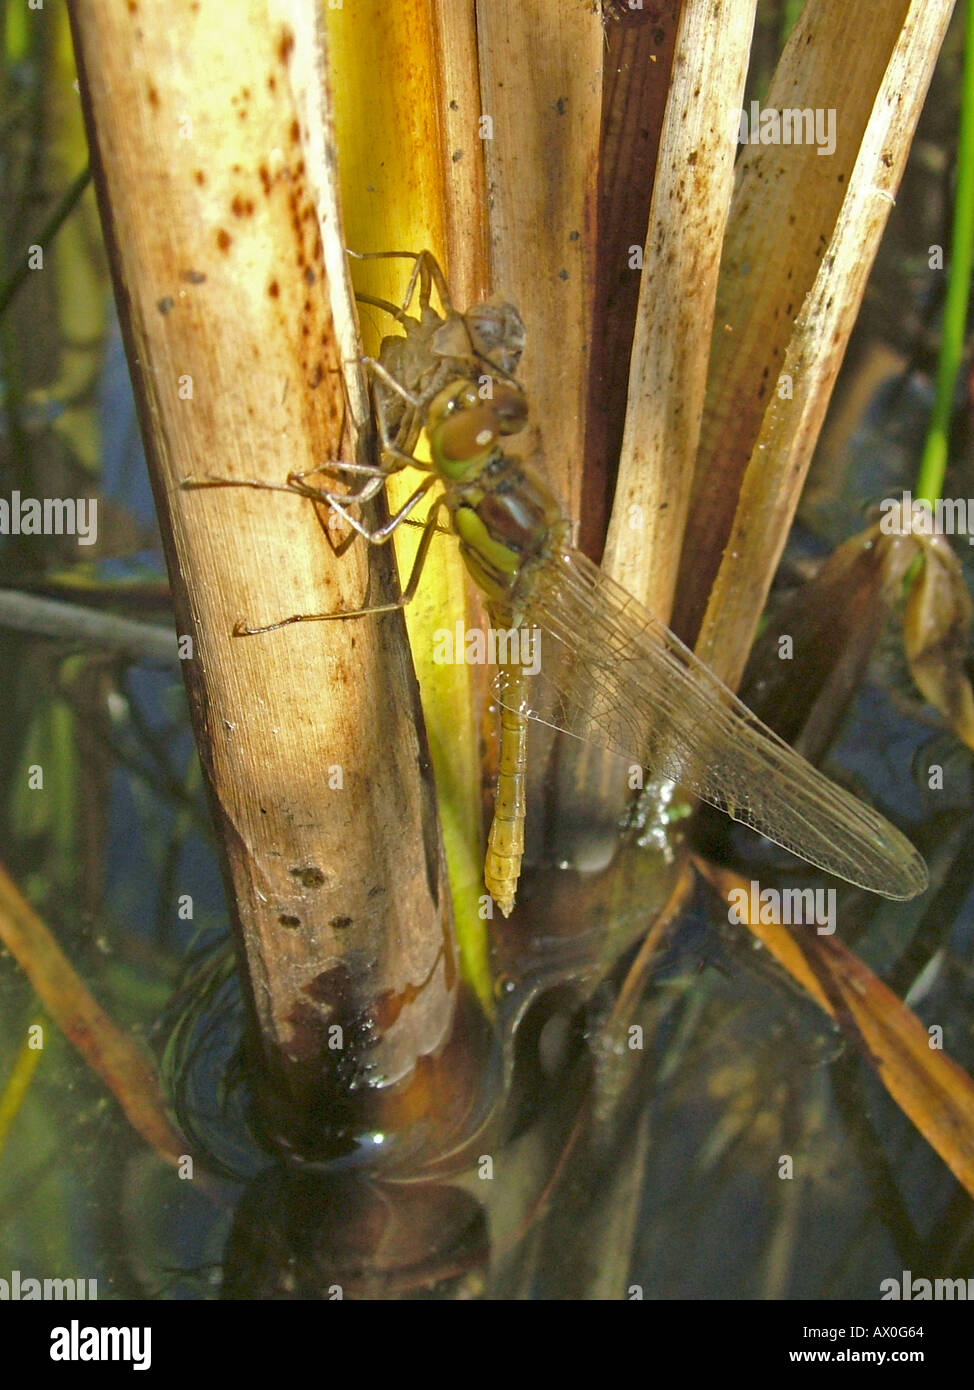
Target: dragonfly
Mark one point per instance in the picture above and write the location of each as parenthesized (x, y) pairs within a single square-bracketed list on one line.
[(610, 672)]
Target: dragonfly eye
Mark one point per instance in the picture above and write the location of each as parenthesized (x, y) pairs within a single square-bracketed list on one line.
[(456, 397), (511, 408), (466, 436)]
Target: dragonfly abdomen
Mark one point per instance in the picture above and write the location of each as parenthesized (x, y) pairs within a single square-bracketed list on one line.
[(505, 844)]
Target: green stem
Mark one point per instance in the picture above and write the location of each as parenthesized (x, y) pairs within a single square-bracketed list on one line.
[(47, 235), (933, 465), (790, 17)]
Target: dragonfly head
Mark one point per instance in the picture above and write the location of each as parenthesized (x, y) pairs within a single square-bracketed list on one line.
[(490, 333), (497, 333), (465, 423), (463, 431)]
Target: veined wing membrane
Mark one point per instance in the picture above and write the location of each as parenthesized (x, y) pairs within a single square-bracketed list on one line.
[(613, 675)]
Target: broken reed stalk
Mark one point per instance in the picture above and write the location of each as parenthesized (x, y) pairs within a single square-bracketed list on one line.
[(412, 179), (541, 73), (214, 163), (668, 368), (803, 231)]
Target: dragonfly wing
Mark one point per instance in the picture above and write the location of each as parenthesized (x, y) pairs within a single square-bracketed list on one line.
[(612, 674)]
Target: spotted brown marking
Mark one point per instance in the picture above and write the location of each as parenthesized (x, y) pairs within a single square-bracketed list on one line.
[(310, 875), (307, 312)]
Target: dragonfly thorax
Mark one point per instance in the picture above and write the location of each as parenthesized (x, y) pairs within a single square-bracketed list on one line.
[(507, 520)]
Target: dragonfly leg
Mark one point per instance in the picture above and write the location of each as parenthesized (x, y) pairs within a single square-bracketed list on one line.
[(397, 445), (400, 443), (388, 307), (297, 488), (420, 272), (337, 501), (426, 269), (383, 255), (378, 535), (387, 379), (429, 530), (371, 470), (375, 475)]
